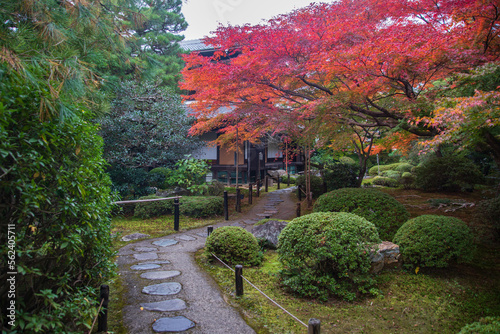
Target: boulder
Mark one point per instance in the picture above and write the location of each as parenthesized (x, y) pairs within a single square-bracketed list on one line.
[(269, 231), (386, 257)]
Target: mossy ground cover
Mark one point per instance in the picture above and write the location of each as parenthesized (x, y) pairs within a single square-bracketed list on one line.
[(437, 301)]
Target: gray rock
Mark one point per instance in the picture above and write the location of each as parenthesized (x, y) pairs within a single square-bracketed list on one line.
[(165, 305), (174, 324), (185, 238), (164, 274), (269, 231), (386, 257), (145, 249), (163, 289), (156, 262), (147, 266), (146, 256), (135, 236), (165, 242)]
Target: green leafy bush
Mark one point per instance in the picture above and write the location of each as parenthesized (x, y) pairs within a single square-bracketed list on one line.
[(374, 171), (434, 241), (381, 209), (487, 214), (132, 183), (487, 325), (327, 254), (404, 168), (341, 175), (407, 180), (193, 206), (234, 245), (447, 174), (385, 181), (214, 188), (56, 194), (317, 187), (393, 174), (285, 179)]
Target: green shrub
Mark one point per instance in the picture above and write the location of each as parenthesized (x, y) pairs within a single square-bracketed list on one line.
[(317, 187), (434, 241), (404, 168), (447, 174), (348, 161), (407, 180), (487, 213), (385, 181), (201, 206), (374, 171), (215, 188), (284, 180), (487, 325), (327, 254), (341, 175), (377, 207), (234, 245), (192, 206), (132, 183), (392, 174)]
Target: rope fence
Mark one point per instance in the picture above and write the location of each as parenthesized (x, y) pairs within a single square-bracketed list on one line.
[(314, 324)]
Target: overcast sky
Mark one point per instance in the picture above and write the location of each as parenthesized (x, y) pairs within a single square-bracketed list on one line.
[(204, 16)]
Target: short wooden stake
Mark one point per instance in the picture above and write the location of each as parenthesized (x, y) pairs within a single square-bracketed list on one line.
[(288, 181), (239, 280), (238, 200), (102, 320), (176, 214), (226, 206), (258, 188), (298, 209), (300, 192), (279, 177), (314, 326), (210, 229), (267, 184)]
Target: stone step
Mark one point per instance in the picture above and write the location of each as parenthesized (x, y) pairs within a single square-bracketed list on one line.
[(163, 274), (168, 305), (163, 289), (165, 242), (146, 256), (173, 324)]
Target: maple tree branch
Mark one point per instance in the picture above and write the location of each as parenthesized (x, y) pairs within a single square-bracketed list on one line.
[(312, 84), (288, 91)]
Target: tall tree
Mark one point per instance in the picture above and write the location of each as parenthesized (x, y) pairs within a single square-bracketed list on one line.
[(368, 62)]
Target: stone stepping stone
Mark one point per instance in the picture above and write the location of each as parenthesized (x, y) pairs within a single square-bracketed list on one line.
[(163, 289), (135, 236), (166, 305), (146, 266), (203, 235), (264, 215), (173, 324), (271, 211), (146, 256), (145, 249), (237, 224), (164, 274), (185, 238), (156, 262), (165, 242)]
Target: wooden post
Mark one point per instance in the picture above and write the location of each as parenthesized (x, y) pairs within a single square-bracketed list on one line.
[(239, 280), (267, 183), (226, 206), (300, 192), (314, 326), (279, 177), (102, 320), (210, 229), (176, 214), (298, 209), (250, 193), (258, 188), (238, 200), (288, 180)]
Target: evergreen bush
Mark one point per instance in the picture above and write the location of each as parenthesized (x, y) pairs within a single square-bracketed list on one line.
[(341, 175), (447, 174), (317, 187), (374, 171), (381, 209), (385, 181), (434, 241), (407, 180), (234, 245), (487, 325), (327, 254), (192, 206), (487, 213)]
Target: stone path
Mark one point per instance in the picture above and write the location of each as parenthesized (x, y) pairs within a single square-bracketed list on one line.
[(168, 292)]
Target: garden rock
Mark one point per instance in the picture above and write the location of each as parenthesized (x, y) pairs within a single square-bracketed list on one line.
[(386, 257), (270, 231)]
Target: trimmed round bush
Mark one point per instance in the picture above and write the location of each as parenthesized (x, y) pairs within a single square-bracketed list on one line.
[(381, 209), (407, 180), (374, 171), (404, 167), (234, 245), (341, 175), (153, 209), (448, 174), (327, 254), (316, 184), (487, 325), (385, 181), (434, 241)]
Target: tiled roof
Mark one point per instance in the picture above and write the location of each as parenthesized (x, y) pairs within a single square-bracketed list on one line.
[(195, 45)]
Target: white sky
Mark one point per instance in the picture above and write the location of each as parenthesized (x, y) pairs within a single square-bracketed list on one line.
[(204, 16)]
